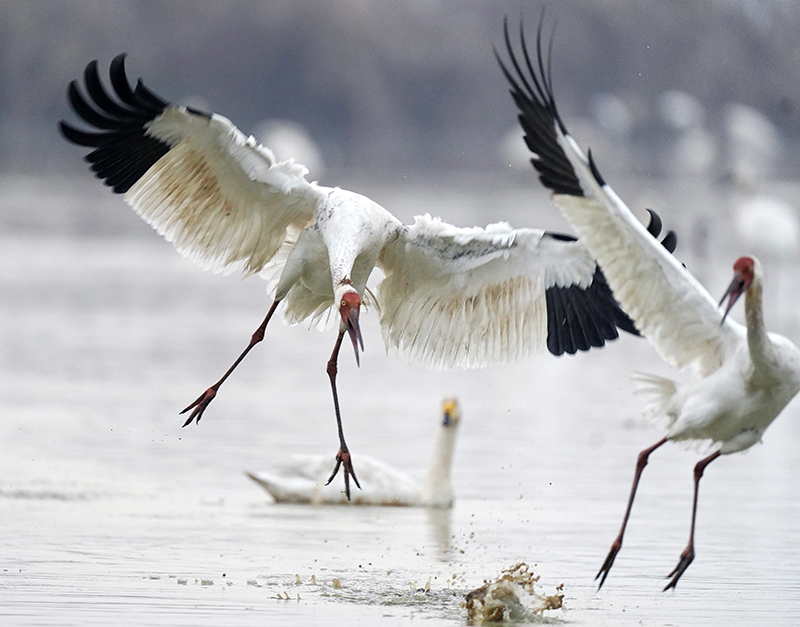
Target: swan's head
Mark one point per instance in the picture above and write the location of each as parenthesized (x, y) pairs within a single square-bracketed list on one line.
[(349, 306), (744, 273), (451, 412)]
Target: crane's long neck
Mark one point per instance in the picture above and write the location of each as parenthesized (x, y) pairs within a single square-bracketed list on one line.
[(438, 489), (354, 230), (762, 352), (341, 263)]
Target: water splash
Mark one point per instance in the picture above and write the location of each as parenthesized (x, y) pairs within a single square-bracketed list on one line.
[(511, 599)]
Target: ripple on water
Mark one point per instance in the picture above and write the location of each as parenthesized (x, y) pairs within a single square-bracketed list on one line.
[(511, 598), (393, 590)]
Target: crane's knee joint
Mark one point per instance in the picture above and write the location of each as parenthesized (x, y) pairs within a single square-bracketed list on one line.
[(699, 468)]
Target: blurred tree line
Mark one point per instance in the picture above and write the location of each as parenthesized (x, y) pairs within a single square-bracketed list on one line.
[(409, 85)]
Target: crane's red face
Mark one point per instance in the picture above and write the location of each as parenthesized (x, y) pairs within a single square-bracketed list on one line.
[(349, 306), (743, 272)]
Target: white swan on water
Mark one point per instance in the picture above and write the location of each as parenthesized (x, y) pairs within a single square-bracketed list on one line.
[(302, 479)]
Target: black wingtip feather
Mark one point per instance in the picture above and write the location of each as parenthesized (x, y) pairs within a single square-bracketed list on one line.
[(119, 81), (148, 99), (583, 332), (595, 172), (654, 228), (579, 319), (555, 319), (532, 91), (82, 138), (123, 150), (670, 241)]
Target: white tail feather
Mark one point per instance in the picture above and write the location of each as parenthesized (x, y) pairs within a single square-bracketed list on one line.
[(657, 393)]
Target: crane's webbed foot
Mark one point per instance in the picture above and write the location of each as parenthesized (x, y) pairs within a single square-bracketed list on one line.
[(686, 558), (200, 405), (606, 567), (343, 460)]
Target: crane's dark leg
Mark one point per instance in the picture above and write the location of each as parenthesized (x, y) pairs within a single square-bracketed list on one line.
[(641, 462), (688, 553), (206, 397), (343, 456)]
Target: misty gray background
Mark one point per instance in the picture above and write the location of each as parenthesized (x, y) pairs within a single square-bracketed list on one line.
[(407, 87)]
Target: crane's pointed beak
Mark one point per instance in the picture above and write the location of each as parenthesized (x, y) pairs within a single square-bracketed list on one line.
[(734, 291), (350, 318), (349, 306)]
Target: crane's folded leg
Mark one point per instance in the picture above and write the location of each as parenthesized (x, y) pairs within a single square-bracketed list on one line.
[(688, 553), (641, 462), (343, 456), (206, 397)]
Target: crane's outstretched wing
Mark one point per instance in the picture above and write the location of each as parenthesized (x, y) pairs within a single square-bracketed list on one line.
[(220, 197), (470, 296), (667, 304)]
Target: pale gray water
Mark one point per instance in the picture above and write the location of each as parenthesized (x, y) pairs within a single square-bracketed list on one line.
[(107, 505)]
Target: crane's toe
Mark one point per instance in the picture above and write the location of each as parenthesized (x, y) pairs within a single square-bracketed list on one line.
[(606, 567), (343, 461), (683, 563), (199, 406)]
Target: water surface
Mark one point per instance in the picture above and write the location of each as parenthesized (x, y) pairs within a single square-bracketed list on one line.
[(111, 511)]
